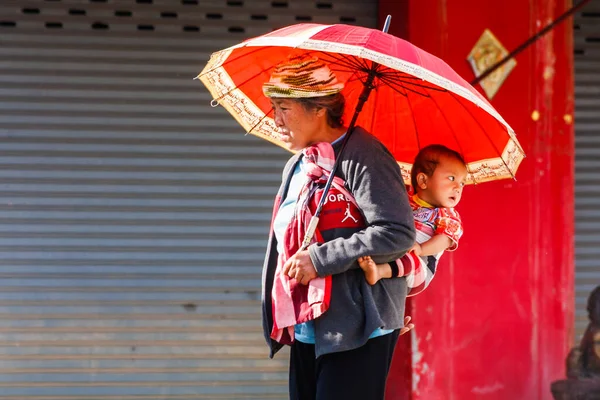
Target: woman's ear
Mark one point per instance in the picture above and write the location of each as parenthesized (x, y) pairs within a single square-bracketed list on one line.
[(422, 180)]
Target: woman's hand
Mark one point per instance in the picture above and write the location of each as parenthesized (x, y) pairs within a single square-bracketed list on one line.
[(407, 326), (300, 267)]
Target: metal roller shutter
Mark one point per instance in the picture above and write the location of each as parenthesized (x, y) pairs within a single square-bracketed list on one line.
[(587, 158), (133, 216)]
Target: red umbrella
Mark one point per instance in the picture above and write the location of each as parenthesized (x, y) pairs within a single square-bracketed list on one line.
[(414, 98)]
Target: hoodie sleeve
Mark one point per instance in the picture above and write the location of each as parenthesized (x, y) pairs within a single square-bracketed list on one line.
[(373, 176)]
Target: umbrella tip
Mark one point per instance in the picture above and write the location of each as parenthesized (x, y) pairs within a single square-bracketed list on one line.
[(386, 25)]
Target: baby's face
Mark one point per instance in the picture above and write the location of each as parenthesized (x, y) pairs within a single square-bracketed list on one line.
[(444, 188)]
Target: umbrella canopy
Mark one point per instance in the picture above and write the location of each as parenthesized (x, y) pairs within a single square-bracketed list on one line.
[(416, 98)]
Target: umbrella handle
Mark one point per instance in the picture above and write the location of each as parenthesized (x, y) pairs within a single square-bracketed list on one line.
[(310, 231), (368, 86)]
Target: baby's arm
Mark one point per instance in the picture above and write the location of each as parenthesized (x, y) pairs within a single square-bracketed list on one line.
[(433, 246), (375, 272)]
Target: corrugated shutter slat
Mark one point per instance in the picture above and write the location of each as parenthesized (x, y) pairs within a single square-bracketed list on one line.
[(587, 159), (133, 216)]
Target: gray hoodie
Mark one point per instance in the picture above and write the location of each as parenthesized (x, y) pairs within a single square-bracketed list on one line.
[(356, 308)]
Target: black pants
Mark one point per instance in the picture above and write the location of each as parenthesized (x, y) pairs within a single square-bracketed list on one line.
[(358, 374)]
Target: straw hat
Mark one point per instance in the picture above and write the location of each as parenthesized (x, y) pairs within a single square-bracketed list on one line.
[(302, 76)]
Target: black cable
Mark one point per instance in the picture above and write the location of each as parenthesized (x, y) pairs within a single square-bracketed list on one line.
[(529, 41)]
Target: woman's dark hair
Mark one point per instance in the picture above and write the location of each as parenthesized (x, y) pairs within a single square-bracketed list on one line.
[(333, 105), (593, 305), (428, 159)]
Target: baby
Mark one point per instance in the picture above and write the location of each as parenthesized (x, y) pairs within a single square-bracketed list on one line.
[(437, 178)]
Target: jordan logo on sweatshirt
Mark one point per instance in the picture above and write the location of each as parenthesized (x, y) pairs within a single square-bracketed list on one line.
[(349, 214)]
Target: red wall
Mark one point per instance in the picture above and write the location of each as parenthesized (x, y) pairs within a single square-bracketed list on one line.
[(497, 321)]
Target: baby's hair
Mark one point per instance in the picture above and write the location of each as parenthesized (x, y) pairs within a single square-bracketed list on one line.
[(428, 159)]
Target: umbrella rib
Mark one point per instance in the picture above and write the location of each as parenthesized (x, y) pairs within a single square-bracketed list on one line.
[(344, 64), (394, 85), (395, 74), (230, 60), (396, 80), (414, 122), (391, 73), (404, 77), (449, 126), (456, 136), (435, 88), (243, 83), (382, 71), (336, 67), (228, 92), (352, 64), (454, 133), (396, 88), (453, 95), (353, 78), (259, 121)]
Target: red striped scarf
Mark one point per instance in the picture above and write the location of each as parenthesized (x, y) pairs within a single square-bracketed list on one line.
[(294, 303)]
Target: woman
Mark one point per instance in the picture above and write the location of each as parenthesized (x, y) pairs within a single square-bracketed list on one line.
[(343, 345)]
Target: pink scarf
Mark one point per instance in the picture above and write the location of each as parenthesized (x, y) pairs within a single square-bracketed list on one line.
[(294, 303)]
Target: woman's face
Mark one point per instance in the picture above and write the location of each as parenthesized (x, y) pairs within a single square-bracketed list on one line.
[(298, 126)]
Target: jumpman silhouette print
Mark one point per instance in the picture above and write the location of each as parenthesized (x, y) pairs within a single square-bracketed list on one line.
[(348, 214)]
